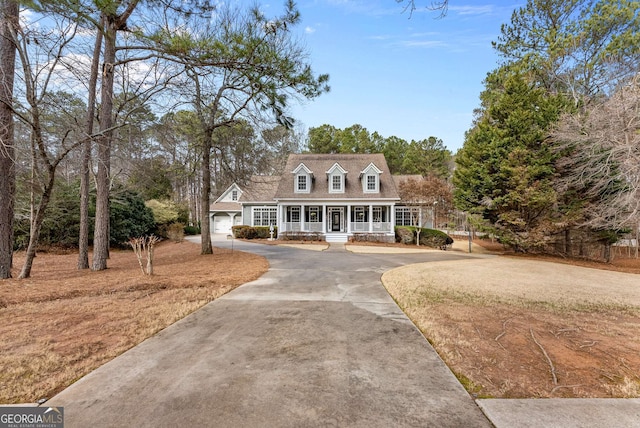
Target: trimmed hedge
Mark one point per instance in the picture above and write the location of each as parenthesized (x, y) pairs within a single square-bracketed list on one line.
[(428, 237), (301, 236), (253, 232), (370, 237)]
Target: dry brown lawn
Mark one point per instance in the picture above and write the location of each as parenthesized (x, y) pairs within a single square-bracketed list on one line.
[(63, 323), (528, 327)]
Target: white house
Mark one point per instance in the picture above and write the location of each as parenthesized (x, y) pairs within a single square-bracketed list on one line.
[(333, 195)]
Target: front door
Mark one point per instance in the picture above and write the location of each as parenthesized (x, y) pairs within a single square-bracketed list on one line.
[(335, 219)]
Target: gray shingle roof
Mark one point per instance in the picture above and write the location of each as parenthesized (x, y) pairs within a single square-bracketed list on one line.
[(319, 164), (260, 188)]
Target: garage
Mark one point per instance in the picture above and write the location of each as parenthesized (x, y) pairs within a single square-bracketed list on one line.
[(222, 222)]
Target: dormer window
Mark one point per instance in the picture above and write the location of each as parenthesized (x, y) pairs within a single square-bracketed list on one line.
[(234, 195), (336, 183), (370, 177), (302, 183), (372, 183), (303, 179), (336, 176)]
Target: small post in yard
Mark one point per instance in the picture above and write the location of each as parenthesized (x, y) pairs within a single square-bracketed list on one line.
[(231, 237), (271, 232), (469, 233)]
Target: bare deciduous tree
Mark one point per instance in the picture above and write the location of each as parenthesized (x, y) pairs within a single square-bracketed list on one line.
[(601, 161), (429, 195), (144, 246), (39, 65), (436, 5)]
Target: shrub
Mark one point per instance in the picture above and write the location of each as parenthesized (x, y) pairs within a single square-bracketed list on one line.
[(175, 232), (301, 236), (435, 238), (428, 237), (404, 235), (191, 230), (370, 237), (164, 212), (253, 232), (129, 217)]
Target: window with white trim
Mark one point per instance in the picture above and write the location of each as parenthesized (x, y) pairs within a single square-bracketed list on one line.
[(314, 214), (360, 214), (336, 183), (293, 214), (372, 183), (377, 214), (302, 183), (234, 195), (403, 216), (265, 216)]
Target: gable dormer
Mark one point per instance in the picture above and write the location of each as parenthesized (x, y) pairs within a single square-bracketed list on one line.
[(302, 179), (370, 178), (232, 194), (336, 177)]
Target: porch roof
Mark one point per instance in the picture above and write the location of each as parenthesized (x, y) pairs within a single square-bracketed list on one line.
[(225, 207)]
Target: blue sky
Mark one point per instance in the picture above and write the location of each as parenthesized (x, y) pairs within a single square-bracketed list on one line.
[(412, 77)]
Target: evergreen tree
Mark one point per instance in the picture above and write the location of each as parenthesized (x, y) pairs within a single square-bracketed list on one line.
[(505, 169)]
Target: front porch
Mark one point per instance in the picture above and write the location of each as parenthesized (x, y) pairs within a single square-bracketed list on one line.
[(337, 222)]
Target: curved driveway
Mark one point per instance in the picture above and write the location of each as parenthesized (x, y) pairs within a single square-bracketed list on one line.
[(316, 341)]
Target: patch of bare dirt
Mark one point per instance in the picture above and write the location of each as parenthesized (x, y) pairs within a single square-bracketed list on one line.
[(504, 352), (529, 327), (63, 323)]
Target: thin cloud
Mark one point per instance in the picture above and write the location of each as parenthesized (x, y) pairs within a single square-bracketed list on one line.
[(423, 43), (473, 10), (426, 34), (309, 30), (381, 37)]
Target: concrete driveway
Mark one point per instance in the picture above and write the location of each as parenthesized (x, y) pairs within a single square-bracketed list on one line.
[(316, 341)]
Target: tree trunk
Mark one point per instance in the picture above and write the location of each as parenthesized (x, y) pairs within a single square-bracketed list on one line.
[(83, 241), (8, 19), (101, 232), (204, 198), (607, 252), (36, 225)]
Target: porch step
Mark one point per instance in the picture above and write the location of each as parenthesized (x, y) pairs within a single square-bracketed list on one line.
[(337, 237)]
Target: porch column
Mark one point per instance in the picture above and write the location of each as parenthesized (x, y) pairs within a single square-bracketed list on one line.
[(392, 217), (370, 218), (231, 216), (348, 219), (302, 229), (279, 222), (325, 216)]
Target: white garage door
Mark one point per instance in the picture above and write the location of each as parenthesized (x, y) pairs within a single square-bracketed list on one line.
[(221, 224)]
